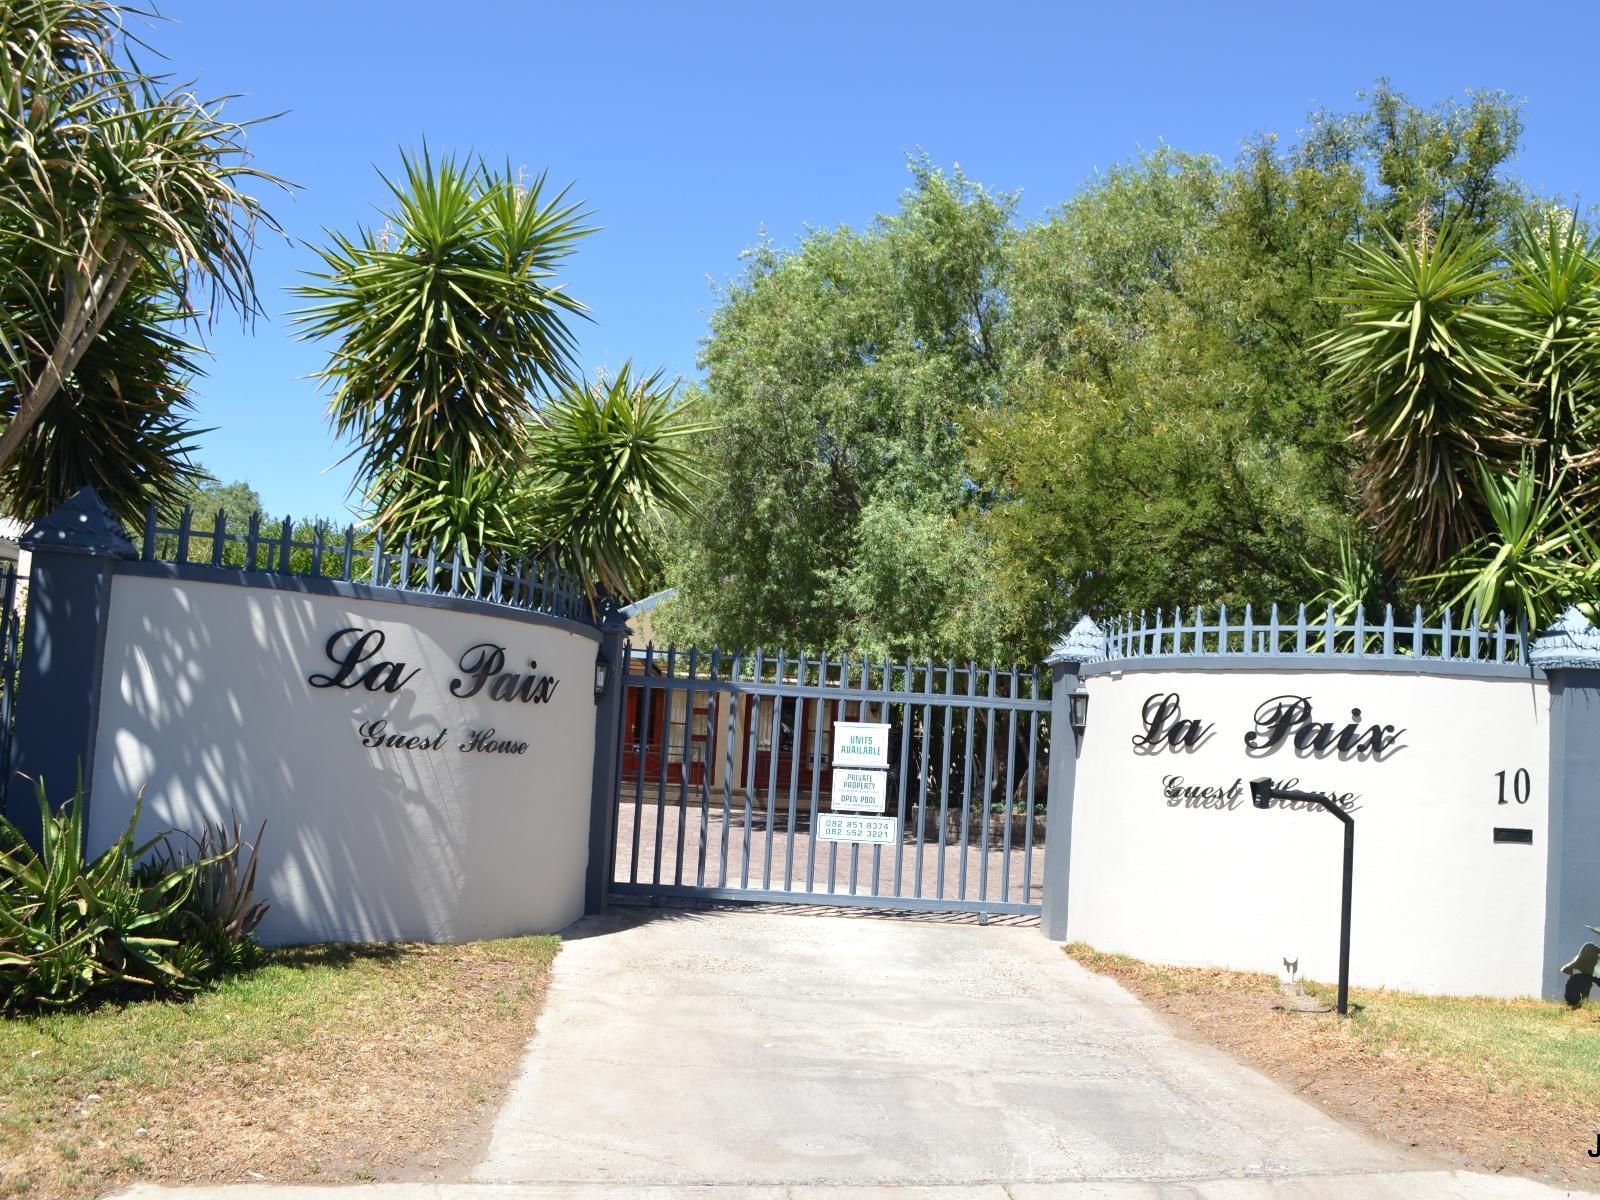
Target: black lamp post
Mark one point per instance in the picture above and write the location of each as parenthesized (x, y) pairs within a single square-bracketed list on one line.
[(1262, 794)]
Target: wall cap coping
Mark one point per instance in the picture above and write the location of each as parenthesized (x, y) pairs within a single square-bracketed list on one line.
[(1085, 644), (1317, 664), (82, 524), (1573, 641)]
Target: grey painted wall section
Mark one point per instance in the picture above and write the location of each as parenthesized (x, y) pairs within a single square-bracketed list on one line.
[(1573, 877), (76, 550), (603, 788), (1058, 816)]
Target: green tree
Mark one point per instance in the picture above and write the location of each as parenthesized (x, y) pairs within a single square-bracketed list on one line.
[(840, 377), (122, 216), (1168, 432)]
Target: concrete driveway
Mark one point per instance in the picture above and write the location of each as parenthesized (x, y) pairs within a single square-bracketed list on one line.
[(751, 1050)]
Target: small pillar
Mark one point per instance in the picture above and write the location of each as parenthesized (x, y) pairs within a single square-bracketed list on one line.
[(75, 551), (1085, 644), (1569, 655), (607, 747)]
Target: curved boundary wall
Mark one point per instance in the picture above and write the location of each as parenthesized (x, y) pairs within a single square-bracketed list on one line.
[(1474, 787), (424, 762)]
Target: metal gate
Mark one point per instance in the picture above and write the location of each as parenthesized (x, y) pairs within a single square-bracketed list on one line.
[(13, 600), (725, 765)]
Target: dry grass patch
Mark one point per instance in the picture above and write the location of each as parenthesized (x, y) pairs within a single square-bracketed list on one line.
[(331, 1064), (1498, 1085)]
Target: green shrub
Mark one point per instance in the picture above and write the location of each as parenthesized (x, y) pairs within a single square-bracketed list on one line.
[(136, 920)]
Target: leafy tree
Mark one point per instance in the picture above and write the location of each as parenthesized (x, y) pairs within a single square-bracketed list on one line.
[(121, 214), (840, 376), (953, 432), (1172, 433)]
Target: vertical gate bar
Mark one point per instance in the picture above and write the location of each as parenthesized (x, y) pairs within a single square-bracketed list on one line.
[(944, 771), (795, 742), (1033, 753), (753, 735), (683, 764), (988, 786), (883, 718), (661, 764), (922, 777), (705, 766), (905, 766), (863, 713), (816, 770), (774, 741), (727, 773), (643, 726), (1011, 783), (966, 782), (838, 715)]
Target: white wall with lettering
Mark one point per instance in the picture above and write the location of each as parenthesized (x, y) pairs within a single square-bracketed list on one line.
[(462, 816), (1171, 862)]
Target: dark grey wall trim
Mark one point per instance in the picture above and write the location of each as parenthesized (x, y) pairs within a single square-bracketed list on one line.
[(1572, 846), (310, 585), (1058, 816), (1314, 662)]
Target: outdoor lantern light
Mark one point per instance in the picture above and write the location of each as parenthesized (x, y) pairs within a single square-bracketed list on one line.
[(1078, 708), (602, 676), (1262, 794)]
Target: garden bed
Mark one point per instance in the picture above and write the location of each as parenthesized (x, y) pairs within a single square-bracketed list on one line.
[(331, 1064), (1496, 1085)]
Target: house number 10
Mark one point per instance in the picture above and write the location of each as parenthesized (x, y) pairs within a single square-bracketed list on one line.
[(1521, 785)]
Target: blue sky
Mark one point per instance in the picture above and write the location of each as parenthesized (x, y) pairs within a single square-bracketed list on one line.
[(690, 128)]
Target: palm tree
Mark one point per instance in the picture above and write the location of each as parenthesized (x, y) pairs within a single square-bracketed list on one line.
[(1422, 362), (113, 183), (451, 373)]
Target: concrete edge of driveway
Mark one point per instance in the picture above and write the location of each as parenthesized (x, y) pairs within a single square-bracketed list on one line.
[(1395, 1185)]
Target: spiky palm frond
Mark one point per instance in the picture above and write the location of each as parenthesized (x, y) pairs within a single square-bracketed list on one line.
[(606, 461), (1536, 558), (1423, 366), (446, 323)]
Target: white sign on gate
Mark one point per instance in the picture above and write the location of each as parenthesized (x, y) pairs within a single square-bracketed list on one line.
[(859, 791), (860, 744), (836, 827)]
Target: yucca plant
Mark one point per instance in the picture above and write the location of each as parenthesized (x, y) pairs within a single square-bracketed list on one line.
[(1551, 297), (1421, 361), (122, 422), (443, 328), (607, 462), (1536, 559), (74, 929), (111, 181), (219, 922)]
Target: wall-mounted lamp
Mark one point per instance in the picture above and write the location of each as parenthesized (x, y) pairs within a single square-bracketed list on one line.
[(1262, 793), (1078, 711), (602, 676)]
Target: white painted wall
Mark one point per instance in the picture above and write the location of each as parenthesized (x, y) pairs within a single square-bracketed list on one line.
[(206, 706), (1439, 907)]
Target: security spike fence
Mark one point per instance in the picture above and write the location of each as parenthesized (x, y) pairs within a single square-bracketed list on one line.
[(1306, 631), (864, 677), (321, 551)]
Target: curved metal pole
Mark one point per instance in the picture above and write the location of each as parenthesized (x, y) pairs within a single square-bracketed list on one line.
[(1262, 794)]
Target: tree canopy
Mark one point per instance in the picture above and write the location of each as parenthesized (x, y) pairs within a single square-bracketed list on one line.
[(954, 430)]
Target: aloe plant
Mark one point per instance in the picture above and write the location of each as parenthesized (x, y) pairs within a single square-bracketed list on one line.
[(75, 929)]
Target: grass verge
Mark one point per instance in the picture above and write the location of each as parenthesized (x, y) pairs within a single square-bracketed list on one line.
[(1498, 1085), (331, 1064)]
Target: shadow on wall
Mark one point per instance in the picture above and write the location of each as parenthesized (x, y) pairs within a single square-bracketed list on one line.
[(207, 707)]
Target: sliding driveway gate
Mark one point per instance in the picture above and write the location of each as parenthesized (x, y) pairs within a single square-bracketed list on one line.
[(726, 769)]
